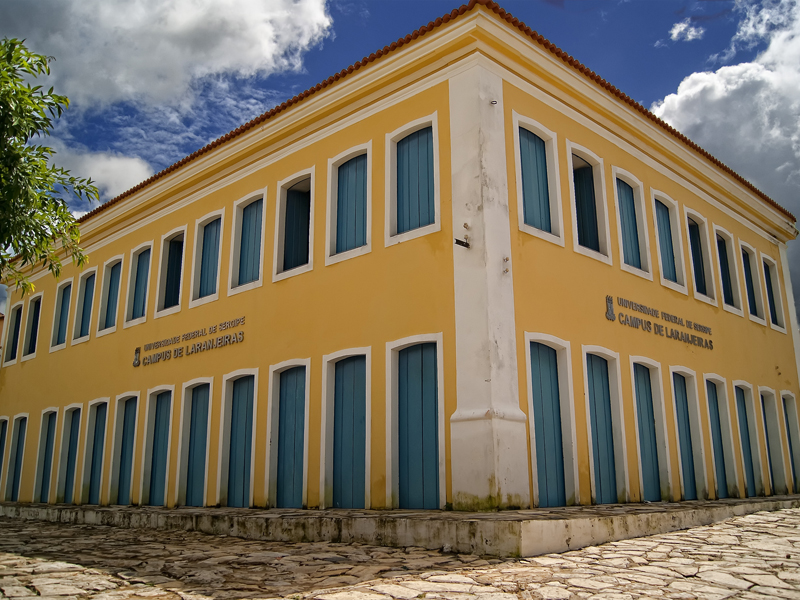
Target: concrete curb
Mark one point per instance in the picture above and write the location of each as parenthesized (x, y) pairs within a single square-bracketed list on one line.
[(507, 533)]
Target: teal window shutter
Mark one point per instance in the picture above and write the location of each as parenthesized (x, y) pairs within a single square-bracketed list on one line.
[(125, 479), (113, 296), (716, 440), (196, 461), (648, 445), (49, 423), (241, 439), (34, 332), (535, 191), (72, 455), (86, 308), (749, 283), (158, 466), (696, 245), (296, 229), (63, 314), (788, 437), (725, 268), (16, 475), (586, 208), (99, 437), (773, 310), (665, 242), (351, 204), (605, 470), (349, 432), (13, 341), (3, 434), (684, 437), (744, 437), (630, 226), (172, 290), (291, 432), (209, 260), (140, 285), (250, 244), (415, 202)]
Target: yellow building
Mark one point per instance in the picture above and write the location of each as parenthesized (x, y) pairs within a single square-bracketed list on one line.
[(465, 272)]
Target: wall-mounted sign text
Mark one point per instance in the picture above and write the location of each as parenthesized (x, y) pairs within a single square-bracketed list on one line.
[(219, 341), (671, 331)]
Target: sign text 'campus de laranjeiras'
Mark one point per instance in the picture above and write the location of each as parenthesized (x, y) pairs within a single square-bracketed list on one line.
[(652, 326), (220, 341)]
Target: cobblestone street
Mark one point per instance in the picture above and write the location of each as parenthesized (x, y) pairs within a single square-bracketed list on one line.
[(755, 556)]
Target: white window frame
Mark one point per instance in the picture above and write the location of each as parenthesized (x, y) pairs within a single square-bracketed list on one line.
[(391, 237), (76, 321), (617, 420), (147, 450), (726, 430), (83, 486), (646, 272), (131, 289), (326, 431), (13, 436), (8, 331), (601, 202), (733, 266), (708, 263), (40, 456), (768, 262), (280, 223), (4, 419), (662, 432), (566, 392), (695, 431), (116, 446), (273, 419), (236, 242), (184, 431), (758, 286), (223, 453), (392, 455), (789, 404), (26, 333), (780, 472), (63, 454), (56, 312), (101, 311), (161, 286), (677, 242), (197, 257), (334, 163), (753, 420)]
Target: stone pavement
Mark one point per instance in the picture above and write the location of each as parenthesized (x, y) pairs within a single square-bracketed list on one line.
[(751, 557)]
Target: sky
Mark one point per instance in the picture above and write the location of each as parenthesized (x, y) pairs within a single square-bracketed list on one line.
[(151, 81)]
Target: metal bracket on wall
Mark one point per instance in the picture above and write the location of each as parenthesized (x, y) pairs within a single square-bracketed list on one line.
[(463, 243)]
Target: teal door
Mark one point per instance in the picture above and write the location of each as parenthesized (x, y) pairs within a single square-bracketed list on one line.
[(349, 432), (605, 473), (291, 433), (716, 439), (72, 454), (3, 435), (19, 451), (198, 432), (126, 451), (241, 441), (685, 437), (418, 427), (648, 449), (98, 443), (766, 439), (547, 425), (792, 488), (158, 467), (744, 437), (47, 466)]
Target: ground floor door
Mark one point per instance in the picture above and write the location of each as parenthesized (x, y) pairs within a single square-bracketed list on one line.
[(158, 466), (794, 486), (744, 438), (685, 437), (648, 448), (241, 442), (72, 455), (716, 440), (18, 452), (349, 432), (124, 481), (291, 438), (198, 434), (98, 445), (49, 426), (605, 473)]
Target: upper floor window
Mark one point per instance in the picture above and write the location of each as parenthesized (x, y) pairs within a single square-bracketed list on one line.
[(631, 224), (247, 243), (63, 296), (729, 277), (591, 218), (539, 211), (83, 307), (349, 204), (109, 299), (774, 300), (205, 277), (32, 327), (12, 338), (700, 253), (138, 285), (294, 234), (752, 283), (170, 272)]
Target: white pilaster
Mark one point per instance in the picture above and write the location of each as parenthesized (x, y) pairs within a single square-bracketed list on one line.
[(791, 307), (489, 451)]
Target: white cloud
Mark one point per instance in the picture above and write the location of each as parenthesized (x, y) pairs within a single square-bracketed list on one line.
[(120, 50), (748, 114), (686, 32)]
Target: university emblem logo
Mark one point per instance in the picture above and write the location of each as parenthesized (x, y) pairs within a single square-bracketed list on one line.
[(610, 309), (136, 357)]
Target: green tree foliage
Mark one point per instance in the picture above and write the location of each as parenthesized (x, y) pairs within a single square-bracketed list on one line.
[(36, 226)]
